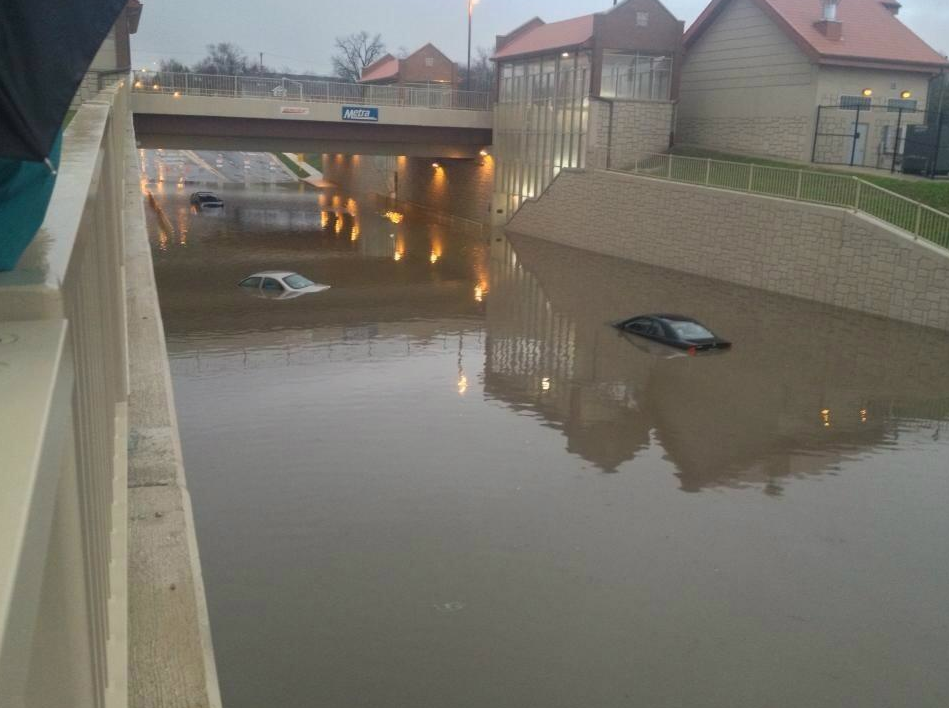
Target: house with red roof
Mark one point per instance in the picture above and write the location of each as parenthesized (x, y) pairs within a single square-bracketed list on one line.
[(425, 66), (825, 80), (590, 91)]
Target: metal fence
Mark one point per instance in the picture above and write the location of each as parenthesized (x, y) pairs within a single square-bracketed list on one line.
[(428, 96), (896, 137), (62, 506), (802, 185)]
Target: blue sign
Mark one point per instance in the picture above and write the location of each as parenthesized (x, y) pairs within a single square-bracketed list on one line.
[(361, 114)]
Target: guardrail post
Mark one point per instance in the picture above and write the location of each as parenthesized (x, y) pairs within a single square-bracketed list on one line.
[(708, 172), (919, 220), (856, 204), (236, 91), (751, 176), (668, 166), (186, 83), (800, 182)]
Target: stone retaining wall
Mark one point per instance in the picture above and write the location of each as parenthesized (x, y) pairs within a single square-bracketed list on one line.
[(779, 136), (638, 128), (806, 250)]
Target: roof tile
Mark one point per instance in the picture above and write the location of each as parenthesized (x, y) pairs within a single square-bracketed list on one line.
[(551, 36)]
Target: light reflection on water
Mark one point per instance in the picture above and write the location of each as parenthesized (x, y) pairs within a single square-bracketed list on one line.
[(455, 425)]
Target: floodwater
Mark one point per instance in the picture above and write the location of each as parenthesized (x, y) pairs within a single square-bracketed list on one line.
[(447, 482)]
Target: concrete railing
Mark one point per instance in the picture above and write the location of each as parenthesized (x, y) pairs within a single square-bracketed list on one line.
[(801, 185), (186, 84), (63, 404)]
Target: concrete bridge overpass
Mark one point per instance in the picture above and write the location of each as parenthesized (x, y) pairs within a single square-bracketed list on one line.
[(200, 111)]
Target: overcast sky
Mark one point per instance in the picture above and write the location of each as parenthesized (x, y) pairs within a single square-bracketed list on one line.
[(299, 33)]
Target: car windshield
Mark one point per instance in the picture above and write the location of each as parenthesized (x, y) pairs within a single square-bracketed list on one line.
[(298, 282), (689, 330)]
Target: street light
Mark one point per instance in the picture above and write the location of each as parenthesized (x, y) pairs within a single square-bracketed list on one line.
[(471, 4)]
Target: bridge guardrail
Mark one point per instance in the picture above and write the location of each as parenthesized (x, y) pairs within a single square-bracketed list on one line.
[(846, 191), (247, 86), (63, 396)]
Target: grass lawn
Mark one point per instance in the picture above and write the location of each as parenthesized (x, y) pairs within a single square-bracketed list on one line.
[(933, 193), (294, 167)]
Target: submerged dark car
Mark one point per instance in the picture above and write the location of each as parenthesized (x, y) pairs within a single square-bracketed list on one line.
[(206, 199), (674, 331)]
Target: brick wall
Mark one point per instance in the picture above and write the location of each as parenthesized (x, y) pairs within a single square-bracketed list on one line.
[(806, 250), (459, 187), (780, 136), (639, 127)]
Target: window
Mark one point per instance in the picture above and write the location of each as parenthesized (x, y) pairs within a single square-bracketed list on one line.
[(252, 282), (271, 284), (642, 19), (656, 330), (636, 77), (429, 61), (690, 330), (640, 326), (895, 104), (298, 282), (852, 103)]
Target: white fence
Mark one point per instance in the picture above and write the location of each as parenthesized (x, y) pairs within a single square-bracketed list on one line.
[(63, 396), (802, 185), (428, 96)]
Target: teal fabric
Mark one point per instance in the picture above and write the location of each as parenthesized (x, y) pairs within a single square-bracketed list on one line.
[(25, 189)]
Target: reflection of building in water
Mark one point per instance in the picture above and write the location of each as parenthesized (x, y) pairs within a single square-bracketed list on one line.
[(804, 388)]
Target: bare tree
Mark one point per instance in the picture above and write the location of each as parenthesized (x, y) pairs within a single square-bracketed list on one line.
[(223, 58), (172, 66), (482, 72), (355, 53)]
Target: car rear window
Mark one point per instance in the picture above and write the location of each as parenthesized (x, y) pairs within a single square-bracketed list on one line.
[(689, 330), (297, 282)]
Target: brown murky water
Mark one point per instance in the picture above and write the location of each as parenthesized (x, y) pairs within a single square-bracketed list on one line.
[(448, 483)]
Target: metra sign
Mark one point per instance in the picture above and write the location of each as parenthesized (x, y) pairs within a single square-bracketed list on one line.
[(361, 113)]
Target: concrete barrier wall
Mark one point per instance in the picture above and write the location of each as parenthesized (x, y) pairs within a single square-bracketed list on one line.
[(622, 131), (819, 253), (459, 187)]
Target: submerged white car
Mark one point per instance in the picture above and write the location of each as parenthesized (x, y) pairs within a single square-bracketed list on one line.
[(280, 284)]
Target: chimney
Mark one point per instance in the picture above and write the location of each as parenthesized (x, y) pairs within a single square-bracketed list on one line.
[(829, 26), (892, 6)]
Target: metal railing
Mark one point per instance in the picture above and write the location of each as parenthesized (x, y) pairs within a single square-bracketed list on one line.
[(63, 396), (309, 91), (801, 185)]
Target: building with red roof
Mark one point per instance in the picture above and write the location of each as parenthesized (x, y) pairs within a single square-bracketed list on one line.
[(595, 90), (425, 66), (787, 77)]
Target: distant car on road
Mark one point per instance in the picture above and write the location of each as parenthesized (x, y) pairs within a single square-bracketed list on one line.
[(280, 285), (674, 331), (204, 200)]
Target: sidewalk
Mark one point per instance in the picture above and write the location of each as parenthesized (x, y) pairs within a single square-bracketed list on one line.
[(315, 177)]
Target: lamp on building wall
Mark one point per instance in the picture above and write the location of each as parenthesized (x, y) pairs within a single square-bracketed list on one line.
[(906, 94), (867, 92)]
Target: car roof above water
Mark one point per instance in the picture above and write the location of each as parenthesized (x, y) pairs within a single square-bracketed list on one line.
[(272, 274)]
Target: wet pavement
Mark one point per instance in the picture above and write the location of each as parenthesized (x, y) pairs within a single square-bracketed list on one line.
[(211, 166), (448, 482)]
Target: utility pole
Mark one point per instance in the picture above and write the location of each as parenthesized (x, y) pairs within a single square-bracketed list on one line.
[(468, 72), (260, 64)]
